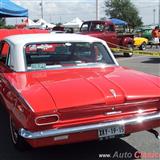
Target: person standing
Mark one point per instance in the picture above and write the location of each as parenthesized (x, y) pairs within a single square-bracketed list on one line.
[(159, 35), (156, 36)]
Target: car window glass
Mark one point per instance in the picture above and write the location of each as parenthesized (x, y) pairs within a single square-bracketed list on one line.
[(8, 60), (100, 53), (4, 51), (97, 27), (51, 55), (85, 27), (109, 28)]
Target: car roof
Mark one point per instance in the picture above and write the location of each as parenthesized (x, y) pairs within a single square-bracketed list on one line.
[(59, 37), (100, 21)]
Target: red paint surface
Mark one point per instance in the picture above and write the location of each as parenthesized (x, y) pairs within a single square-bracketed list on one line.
[(79, 96)]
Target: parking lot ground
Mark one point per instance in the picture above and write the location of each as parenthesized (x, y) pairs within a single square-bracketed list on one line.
[(147, 64), (142, 141)]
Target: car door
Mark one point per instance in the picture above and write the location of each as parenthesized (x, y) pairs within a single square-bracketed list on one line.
[(110, 36), (5, 90)]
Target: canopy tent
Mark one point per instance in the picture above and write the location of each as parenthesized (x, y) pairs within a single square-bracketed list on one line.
[(31, 24), (27, 23), (118, 21), (75, 23), (40, 24), (10, 9), (44, 24)]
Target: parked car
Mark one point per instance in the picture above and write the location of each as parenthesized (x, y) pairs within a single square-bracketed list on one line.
[(106, 31), (69, 88), (140, 42), (8, 32), (145, 32)]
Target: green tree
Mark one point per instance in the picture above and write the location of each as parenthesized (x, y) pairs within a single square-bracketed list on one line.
[(2, 22), (125, 10)]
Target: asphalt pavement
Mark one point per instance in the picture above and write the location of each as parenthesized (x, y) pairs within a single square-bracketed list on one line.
[(143, 141), (147, 64), (124, 148)]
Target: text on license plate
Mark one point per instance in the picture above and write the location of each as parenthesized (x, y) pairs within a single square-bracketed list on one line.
[(111, 131)]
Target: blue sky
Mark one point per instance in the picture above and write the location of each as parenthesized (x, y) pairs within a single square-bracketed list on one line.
[(65, 10)]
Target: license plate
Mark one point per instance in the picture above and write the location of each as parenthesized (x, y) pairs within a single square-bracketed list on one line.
[(111, 131)]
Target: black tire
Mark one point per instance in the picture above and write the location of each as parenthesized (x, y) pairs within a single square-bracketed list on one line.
[(143, 46), (129, 54), (18, 141)]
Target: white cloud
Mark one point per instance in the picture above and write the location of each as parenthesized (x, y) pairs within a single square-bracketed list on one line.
[(64, 10)]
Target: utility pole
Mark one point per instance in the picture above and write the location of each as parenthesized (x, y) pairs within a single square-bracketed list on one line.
[(97, 10), (41, 4), (154, 11)]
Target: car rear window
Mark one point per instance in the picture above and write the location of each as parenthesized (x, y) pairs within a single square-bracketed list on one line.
[(51, 55)]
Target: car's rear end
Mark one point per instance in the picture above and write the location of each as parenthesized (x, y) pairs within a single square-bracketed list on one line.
[(95, 113), (95, 122)]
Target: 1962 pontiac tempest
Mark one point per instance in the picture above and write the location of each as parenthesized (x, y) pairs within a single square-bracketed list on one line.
[(67, 88)]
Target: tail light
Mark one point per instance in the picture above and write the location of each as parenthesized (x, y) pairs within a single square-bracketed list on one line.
[(47, 120)]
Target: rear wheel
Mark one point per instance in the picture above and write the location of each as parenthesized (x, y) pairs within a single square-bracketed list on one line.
[(18, 141), (143, 46), (129, 53)]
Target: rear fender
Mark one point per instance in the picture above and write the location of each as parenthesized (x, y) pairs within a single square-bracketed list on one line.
[(126, 41)]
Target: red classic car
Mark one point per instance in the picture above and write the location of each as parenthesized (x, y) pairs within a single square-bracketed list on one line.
[(8, 32), (106, 31), (69, 88)]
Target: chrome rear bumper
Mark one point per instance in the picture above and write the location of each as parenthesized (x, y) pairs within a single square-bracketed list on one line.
[(77, 129)]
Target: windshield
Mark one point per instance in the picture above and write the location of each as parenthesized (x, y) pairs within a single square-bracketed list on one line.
[(68, 54), (98, 26), (92, 26)]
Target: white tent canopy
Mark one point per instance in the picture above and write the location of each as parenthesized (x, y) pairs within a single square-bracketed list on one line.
[(75, 23), (44, 24), (31, 24)]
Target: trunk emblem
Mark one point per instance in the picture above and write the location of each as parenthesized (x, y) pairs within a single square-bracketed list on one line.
[(113, 93)]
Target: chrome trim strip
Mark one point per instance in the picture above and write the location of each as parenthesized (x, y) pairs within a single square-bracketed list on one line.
[(63, 131), (113, 93), (46, 116), (101, 66), (145, 101), (114, 112), (26, 102), (139, 102)]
